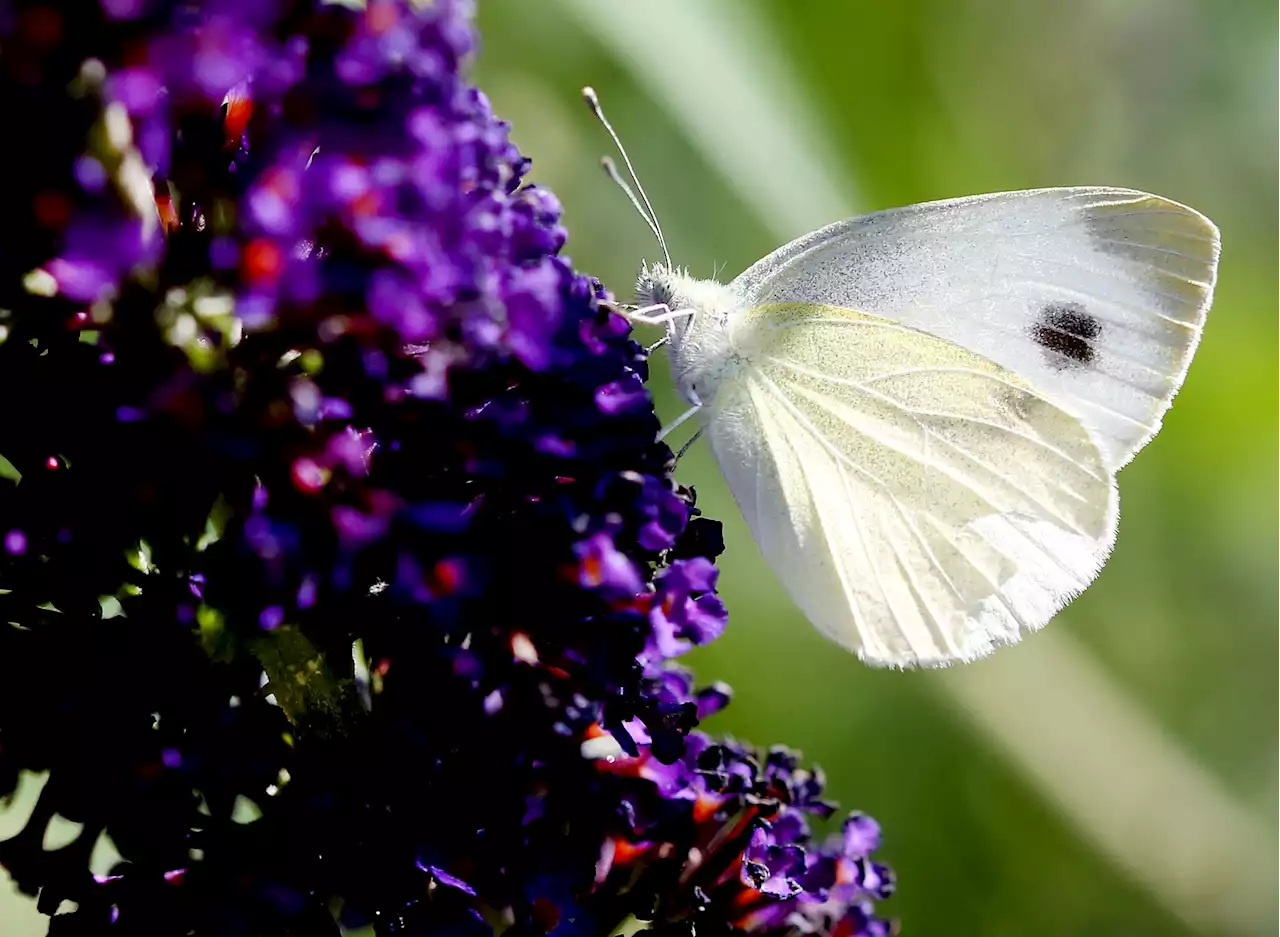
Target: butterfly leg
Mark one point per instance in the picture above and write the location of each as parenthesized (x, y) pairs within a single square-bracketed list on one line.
[(689, 442), (666, 430), (657, 314)]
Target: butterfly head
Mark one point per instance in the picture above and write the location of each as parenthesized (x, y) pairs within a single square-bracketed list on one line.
[(659, 285), (697, 341)]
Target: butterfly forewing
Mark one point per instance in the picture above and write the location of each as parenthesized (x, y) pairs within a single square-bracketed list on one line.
[(919, 502), (1096, 296)]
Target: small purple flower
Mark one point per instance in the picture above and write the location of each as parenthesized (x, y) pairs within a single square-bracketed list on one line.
[(861, 836), (687, 612), (531, 295), (666, 517), (15, 542), (622, 395), (601, 565), (767, 865)]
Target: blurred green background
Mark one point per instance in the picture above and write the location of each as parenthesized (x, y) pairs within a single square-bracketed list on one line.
[(1115, 774)]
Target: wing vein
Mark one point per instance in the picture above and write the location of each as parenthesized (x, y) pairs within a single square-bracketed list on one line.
[(837, 556), (915, 412), (871, 560), (1154, 249), (804, 421), (1094, 299), (1048, 508), (1116, 277), (943, 639)]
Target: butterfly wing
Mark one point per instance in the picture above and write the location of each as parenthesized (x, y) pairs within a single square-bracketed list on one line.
[(1096, 296), (920, 503)]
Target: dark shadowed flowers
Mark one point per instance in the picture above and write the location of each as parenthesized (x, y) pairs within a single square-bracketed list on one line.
[(341, 571)]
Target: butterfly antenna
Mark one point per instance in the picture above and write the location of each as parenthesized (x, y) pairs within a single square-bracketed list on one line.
[(611, 170), (651, 217)]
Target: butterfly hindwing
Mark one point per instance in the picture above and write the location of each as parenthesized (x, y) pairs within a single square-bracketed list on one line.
[(920, 503)]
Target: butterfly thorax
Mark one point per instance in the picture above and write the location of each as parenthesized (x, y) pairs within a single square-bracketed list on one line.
[(698, 345)]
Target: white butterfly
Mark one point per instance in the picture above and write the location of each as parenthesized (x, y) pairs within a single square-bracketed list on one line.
[(921, 412)]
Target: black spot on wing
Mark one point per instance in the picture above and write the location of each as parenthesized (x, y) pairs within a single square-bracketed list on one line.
[(1067, 331)]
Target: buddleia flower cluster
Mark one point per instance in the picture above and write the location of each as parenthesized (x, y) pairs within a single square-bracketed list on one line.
[(341, 576)]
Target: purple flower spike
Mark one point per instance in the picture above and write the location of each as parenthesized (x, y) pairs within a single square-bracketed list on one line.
[(342, 506)]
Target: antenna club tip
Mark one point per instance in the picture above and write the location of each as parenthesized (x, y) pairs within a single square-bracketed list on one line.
[(640, 204)]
